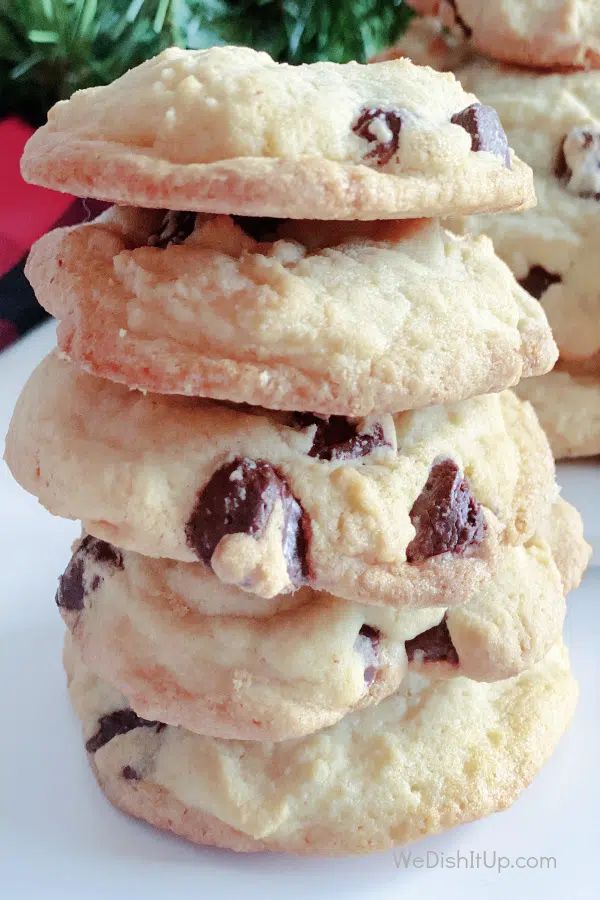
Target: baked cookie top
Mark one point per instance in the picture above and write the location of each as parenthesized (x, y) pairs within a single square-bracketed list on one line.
[(554, 120), (403, 510), (188, 650), (546, 34), (229, 130), (345, 318), (433, 755)]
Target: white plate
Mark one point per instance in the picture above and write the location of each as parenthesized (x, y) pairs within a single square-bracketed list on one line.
[(59, 838)]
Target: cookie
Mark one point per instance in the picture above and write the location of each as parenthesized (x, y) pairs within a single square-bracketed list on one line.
[(569, 412), (228, 130), (386, 510), (552, 250), (186, 650), (433, 755), (190, 651), (549, 34), (335, 318)]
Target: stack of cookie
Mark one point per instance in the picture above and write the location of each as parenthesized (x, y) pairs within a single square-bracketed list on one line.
[(318, 599), (541, 75)]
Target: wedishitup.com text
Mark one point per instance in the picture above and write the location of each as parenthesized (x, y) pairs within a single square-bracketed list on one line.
[(470, 859)]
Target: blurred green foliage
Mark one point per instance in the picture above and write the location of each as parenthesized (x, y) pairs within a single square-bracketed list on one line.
[(50, 48)]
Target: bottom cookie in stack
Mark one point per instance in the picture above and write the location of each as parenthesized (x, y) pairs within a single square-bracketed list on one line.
[(419, 737), (433, 755), (568, 408)]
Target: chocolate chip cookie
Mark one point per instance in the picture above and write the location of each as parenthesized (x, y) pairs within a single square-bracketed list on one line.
[(433, 755), (228, 130), (550, 34), (335, 318), (403, 510)]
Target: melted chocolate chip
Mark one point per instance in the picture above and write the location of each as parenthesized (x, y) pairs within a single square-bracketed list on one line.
[(71, 591), (338, 438), (130, 774), (381, 127), (466, 29), (538, 280), (485, 128), (580, 149), (373, 636), (118, 722), (433, 645), (175, 228), (446, 515), (239, 499), (261, 228)]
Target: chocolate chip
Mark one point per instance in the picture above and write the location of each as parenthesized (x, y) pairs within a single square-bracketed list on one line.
[(578, 162), (338, 438), (239, 499), (466, 29), (381, 127), (261, 228), (118, 722), (433, 645), (367, 643), (130, 774), (485, 128), (71, 591), (538, 280), (175, 228), (446, 515)]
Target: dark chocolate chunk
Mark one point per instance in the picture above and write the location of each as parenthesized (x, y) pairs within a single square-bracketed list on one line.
[(484, 126), (538, 280), (71, 591), (446, 515), (261, 228), (466, 29), (175, 228), (130, 774), (433, 645), (338, 438), (239, 499), (118, 722), (367, 126), (373, 636), (587, 143)]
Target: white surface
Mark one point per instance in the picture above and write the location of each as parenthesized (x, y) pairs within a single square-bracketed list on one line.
[(59, 838)]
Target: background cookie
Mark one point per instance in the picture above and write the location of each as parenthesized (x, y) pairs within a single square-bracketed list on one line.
[(548, 34), (552, 249), (187, 651), (229, 130), (569, 412), (273, 501), (336, 318), (429, 757)]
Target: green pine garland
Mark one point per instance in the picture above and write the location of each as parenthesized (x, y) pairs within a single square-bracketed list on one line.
[(50, 48)]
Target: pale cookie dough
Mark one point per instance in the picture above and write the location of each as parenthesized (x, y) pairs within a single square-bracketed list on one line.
[(569, 411), (386, 510), (189, 651), (336, 318), (538, 33), (434, 755), (228, 130)]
